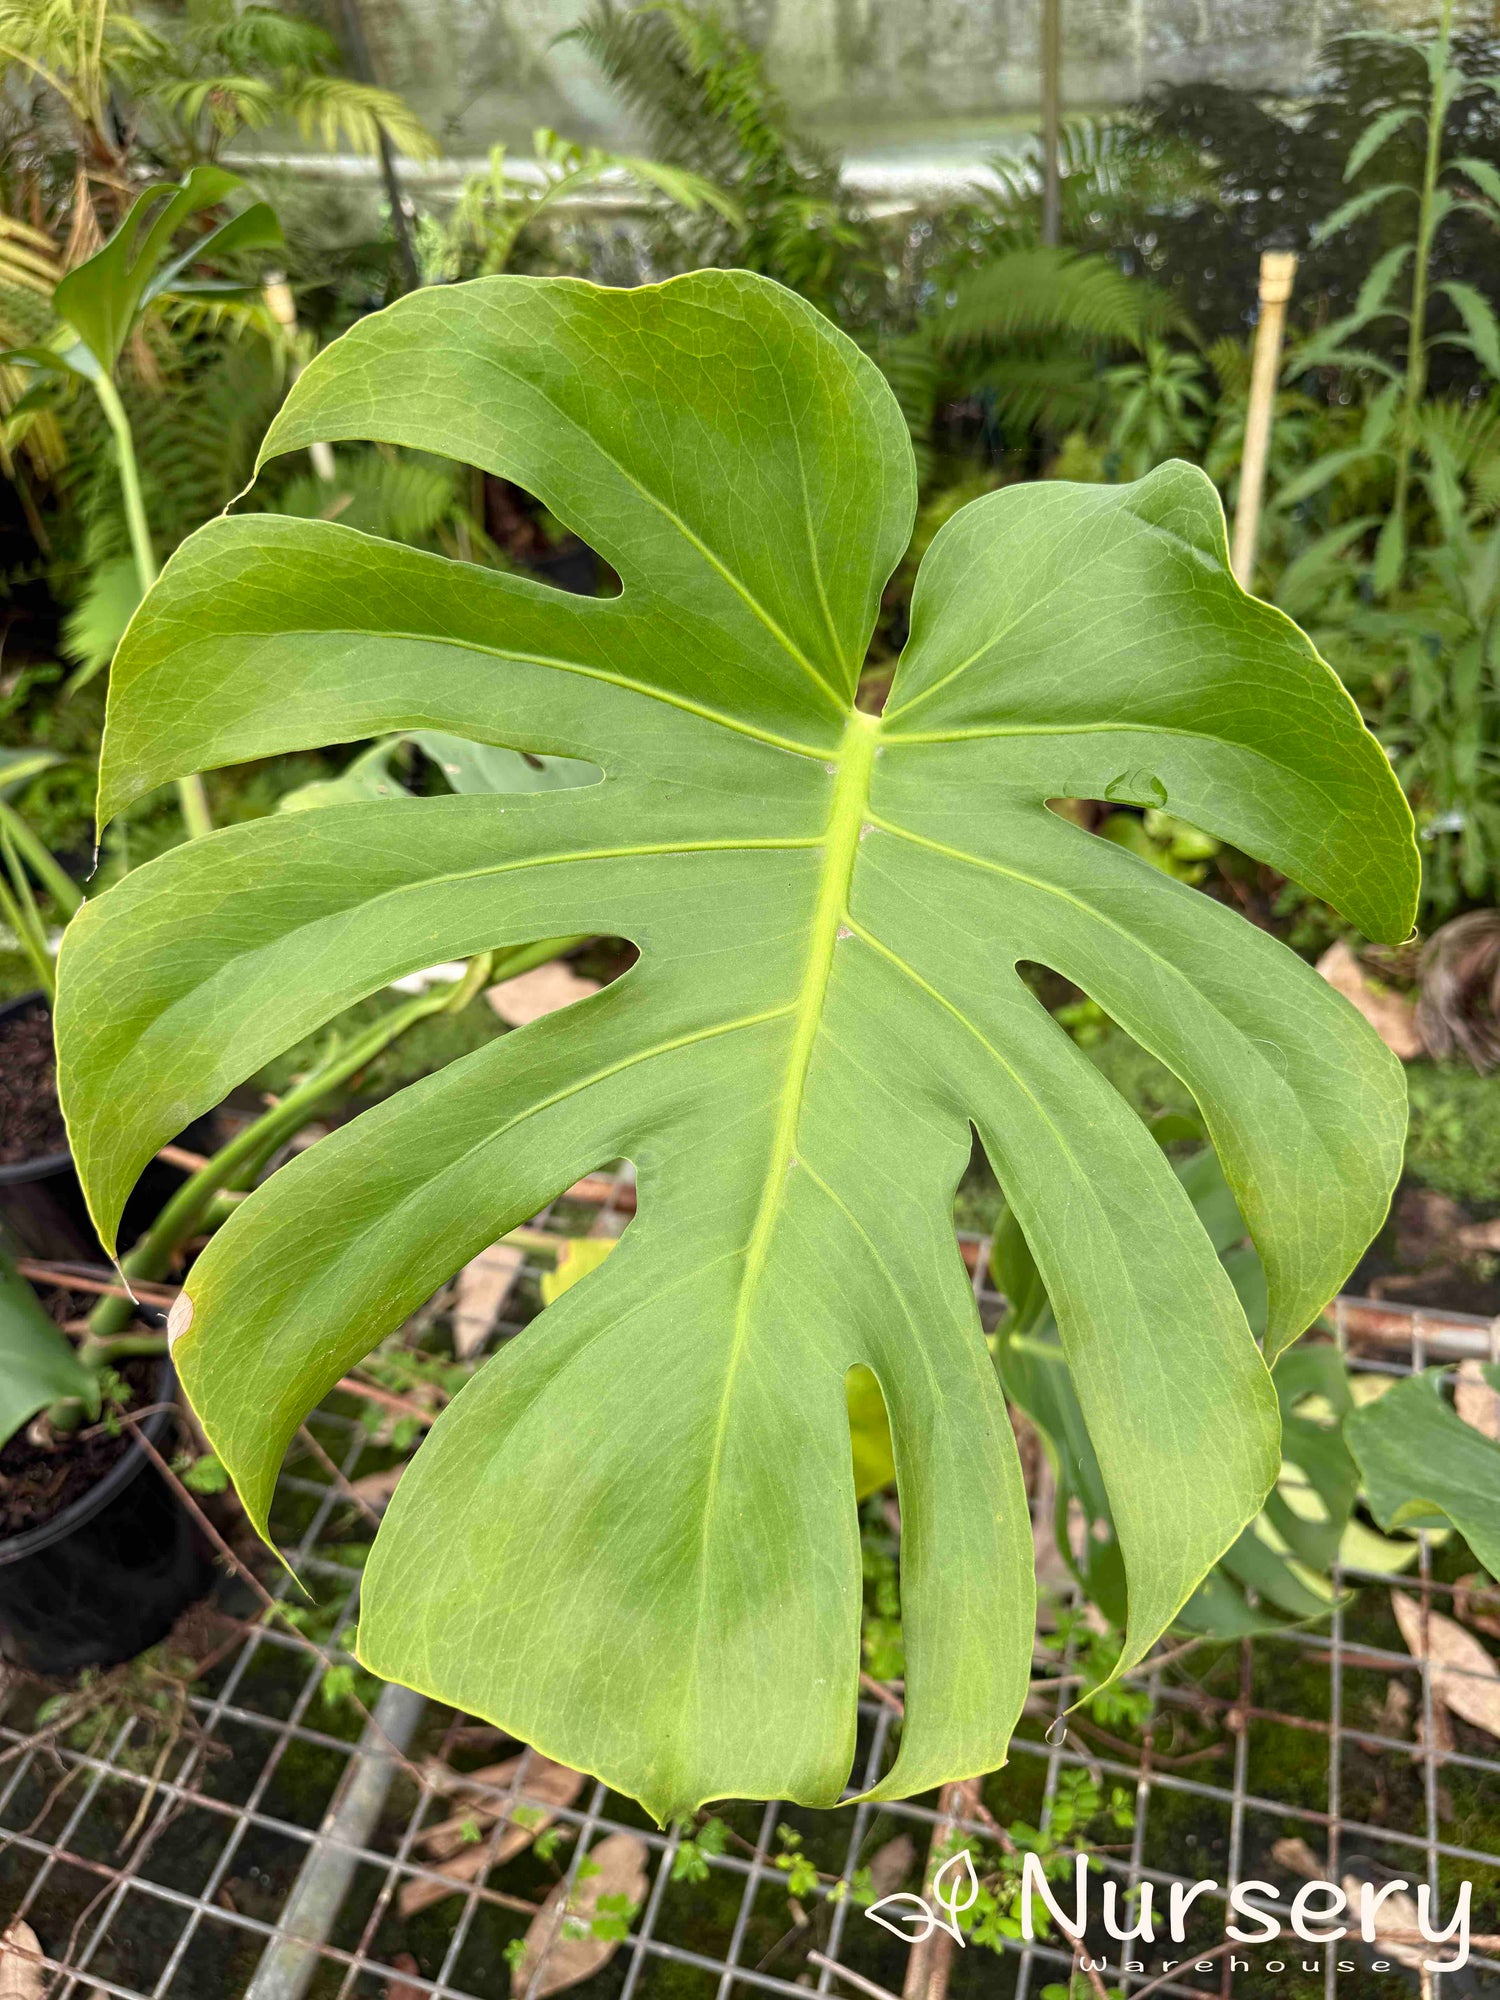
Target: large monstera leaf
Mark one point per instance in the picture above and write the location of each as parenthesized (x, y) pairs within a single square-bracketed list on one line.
[(632, 1538)]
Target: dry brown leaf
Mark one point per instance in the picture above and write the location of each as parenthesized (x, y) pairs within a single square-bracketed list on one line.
[(540, 991), (892, 1864), (22, 1974), (402, 1989), (1464, 1677), (558, 1960), (483, 1284), (544, 1787), (1297, 1856), (544, 1784), (1476, 1402), (1395, 1917), (1392, 1017)]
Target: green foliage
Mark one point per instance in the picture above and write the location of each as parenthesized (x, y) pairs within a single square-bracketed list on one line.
[(700, 94), (1454, 1145), (1277, 1569), (494, 207), (709, 1838), (1423, 1466), (203, 1474), (801, 878), (221, 70), (37, 1364)]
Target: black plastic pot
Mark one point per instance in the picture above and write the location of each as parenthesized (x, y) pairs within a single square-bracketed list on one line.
[(110, 1574), (41, 1202)]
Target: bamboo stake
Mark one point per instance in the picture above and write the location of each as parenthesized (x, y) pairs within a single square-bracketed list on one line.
[(1278, 268)]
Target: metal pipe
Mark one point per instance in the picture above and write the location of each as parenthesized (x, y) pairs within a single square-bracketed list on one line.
[(1051, 121), (292, 1957), (1278, 269)]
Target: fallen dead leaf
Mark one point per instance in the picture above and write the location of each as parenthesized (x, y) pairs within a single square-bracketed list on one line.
[(402, 1989), (22, 1974), (483, 1284), (553, 1957), (1392, 1017), (1464, 1677), (544, 1787), (892, 1864), (541, 991), (1395, 1919), (1297, 1856), (1476, 1402), (1475, 1602)]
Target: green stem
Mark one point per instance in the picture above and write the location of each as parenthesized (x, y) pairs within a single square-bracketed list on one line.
[(1416, 345), (241, 1159), (37, 955), (55, 879), (105, 1353), (191, 797)]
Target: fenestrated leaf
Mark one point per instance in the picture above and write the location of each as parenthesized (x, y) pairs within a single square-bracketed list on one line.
[(829, 910), (1421, 1463)]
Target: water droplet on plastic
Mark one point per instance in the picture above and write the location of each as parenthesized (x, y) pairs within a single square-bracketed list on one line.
[(1057, 1733), (1136, 788)]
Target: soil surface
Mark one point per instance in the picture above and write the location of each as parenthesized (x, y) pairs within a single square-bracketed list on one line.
[(31, 1122), (38, 1481)]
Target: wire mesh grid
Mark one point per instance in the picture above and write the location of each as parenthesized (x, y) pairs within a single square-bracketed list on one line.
[(280, 1846)]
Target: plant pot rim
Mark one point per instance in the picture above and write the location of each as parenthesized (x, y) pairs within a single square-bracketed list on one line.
[(44, 1163), (31, 1541)]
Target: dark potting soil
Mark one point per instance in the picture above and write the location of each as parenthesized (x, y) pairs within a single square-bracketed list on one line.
[(31, 1121), (38, 1481)]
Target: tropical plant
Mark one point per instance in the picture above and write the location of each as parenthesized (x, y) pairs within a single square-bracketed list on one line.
[(701, 96), (1420, 97), (1029, 324), (1425, 665), (1159, 408), (494, 207), (1424, 1466), (829, 906), (99, 305), (41, 1368), (28, 865), (186, 94), (1277, 1569)]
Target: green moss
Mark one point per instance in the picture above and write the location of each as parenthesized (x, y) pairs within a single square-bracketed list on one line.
[(1453, 1143)]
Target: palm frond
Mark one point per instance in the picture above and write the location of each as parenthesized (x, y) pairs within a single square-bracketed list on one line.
[(334, 108)]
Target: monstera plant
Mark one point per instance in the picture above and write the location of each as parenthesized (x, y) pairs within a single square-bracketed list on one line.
[(632, 1539)]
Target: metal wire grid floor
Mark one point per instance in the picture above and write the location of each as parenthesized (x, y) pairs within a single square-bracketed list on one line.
[(169, 1913)]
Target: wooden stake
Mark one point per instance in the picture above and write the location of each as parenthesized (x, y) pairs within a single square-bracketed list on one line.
[(1278, 268)]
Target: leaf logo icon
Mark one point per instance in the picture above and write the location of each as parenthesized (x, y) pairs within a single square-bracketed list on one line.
[(955, 1888), (914, 1911)]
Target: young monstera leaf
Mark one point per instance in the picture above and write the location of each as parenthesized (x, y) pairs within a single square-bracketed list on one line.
[(632, 1538)]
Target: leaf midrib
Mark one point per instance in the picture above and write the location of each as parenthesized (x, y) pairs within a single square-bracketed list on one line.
[(847, 816)]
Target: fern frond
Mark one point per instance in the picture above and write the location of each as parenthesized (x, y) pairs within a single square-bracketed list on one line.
[(96, 624), (1044, 291)]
